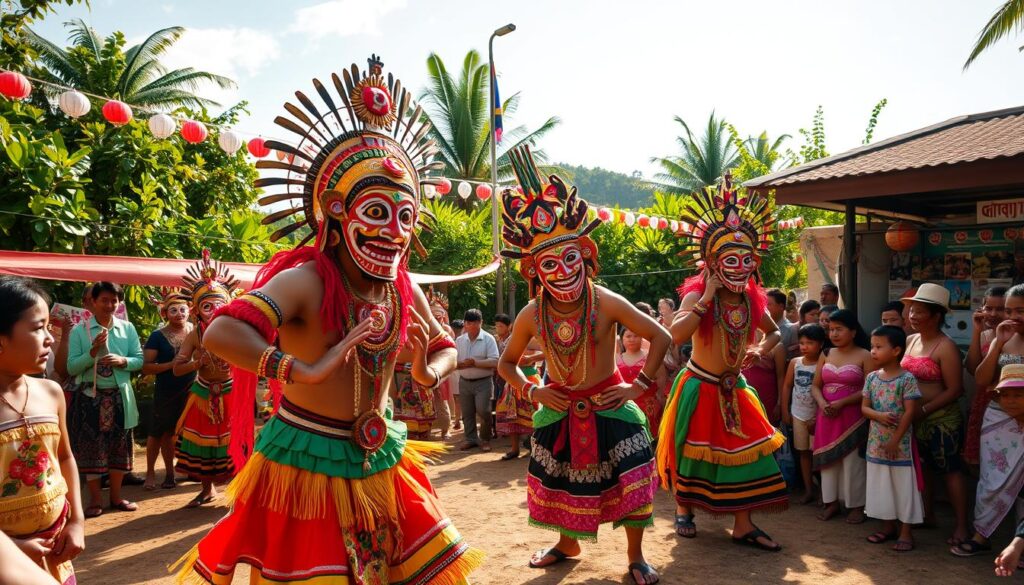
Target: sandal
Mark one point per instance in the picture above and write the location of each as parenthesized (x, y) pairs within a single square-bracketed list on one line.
[(829, 512), (169, 484), (510, 456), (751, 539), (552, 552), (903, 546), (645, 571), (200, 500), (856, 517), (880, 537), (149, 486), (94, 511), (124, 506), (970, 548), (685, 526)]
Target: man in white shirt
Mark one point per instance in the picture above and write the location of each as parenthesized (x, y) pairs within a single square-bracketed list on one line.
[(477, 359)]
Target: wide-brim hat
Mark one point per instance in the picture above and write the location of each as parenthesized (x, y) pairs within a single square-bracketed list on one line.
[(1012, 376), (933, 294)]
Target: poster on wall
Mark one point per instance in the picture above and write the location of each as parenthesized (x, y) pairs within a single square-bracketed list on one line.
[(967, 262)]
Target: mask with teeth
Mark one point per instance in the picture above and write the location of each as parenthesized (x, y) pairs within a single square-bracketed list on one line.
[(562, 271)]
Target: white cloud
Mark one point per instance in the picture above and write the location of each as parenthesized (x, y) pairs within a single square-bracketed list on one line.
[(236, 53), (343, 18)]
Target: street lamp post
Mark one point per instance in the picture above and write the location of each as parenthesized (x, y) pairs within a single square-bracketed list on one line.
[(495, 246)]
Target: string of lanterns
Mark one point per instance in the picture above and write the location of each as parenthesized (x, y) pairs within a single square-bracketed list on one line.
[(75, 104)]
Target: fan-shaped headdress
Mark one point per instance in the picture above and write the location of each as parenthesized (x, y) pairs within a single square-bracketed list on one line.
[(540, 214), (208, 278), (725, 219), (363, 135)]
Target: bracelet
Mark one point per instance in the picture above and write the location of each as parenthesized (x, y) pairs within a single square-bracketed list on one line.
[(261, 365), (437, 377), (284, 368), (528, 389), (644, 381), (700, 309)]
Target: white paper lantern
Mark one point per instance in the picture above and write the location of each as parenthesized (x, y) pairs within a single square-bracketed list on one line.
[(630, 219), (465, 190), (162, 125), (654, 223), (674, 226), (74, 103), (229, 141)]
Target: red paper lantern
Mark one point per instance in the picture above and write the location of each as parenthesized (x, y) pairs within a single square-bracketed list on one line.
[(902, 236), (14, 85), (193, 131), (117, 113), (258, 148), (662, 223), (643, 220), (605, 214), (444, 187), (483, 191)]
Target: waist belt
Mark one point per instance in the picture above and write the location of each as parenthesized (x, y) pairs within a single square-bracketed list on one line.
[(581, 431), (476, 379), (309, 421)]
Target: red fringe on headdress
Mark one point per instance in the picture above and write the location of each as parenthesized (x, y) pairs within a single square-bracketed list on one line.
[(333, 316), (754, 292)]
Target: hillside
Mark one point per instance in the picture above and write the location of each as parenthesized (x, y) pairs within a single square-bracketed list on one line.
[(604, 187)]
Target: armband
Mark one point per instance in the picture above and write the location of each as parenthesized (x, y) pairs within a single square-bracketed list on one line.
[(440, 341), (699, 309), (257, 310)]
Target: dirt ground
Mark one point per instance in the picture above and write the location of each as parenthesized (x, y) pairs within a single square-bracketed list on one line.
[(487, 500)]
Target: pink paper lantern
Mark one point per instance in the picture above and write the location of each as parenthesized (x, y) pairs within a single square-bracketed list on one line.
[(444, 187), (117, 112), (14, 85), (662, 223), (604, 214), (643, 221), (193, 131), (483, 191), (257, 148)]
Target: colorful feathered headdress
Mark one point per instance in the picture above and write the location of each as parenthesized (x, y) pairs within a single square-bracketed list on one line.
[(540, 214), (208, 278), (723, 219)]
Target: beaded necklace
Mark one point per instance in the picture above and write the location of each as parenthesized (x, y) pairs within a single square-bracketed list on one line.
[(571, 334), (370, 428), (733, 328)]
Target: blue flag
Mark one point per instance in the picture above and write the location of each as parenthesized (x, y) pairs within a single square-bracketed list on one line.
[(496, 118)]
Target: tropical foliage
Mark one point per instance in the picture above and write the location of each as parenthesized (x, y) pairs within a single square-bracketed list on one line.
[(458, 112), (135, 75), (1007, 19), (701, 162)]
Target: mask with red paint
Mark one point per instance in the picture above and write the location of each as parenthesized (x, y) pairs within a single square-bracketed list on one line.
[(378, 228), (734, 265), (562, 271)]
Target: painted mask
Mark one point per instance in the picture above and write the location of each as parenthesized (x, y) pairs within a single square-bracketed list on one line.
[(735, 265), (208, 304), (177, 312), (378, 230), (562, 271)]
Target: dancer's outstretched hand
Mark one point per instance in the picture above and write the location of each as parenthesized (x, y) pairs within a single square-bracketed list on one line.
[(335, 357)]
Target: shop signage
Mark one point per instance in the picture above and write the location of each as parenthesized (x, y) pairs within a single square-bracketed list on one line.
[(1000, 211)]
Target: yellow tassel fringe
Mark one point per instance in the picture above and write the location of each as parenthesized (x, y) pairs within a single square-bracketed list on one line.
[(703, 453)]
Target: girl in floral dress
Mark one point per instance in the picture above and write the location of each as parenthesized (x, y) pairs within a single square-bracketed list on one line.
[(630, 362), (40, 502)]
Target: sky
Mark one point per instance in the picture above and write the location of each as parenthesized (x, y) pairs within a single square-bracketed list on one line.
[(616, 73)]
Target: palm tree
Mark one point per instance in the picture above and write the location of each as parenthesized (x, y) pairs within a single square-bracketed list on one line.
[(1008, 17), (458, 112), (96, 65), (702, 161), (768, 152)]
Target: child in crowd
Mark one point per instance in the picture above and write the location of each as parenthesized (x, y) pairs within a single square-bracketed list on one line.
[(798, 407), (823, 312), (890, 403), (42, 505), (1009, 402), (840, 430)]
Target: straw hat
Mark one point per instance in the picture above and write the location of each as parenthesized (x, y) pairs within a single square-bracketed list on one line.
[(1011, 377), (933, 294)]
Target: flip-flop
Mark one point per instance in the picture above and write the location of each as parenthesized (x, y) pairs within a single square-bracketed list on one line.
[(199, 500), (903, 546), (552, 552), (880, 537), (510, 456), (750, 539), (124, 506), (169, 484), (645, 571), (685, 522), (970, 548), (93, 511), (149, 487)]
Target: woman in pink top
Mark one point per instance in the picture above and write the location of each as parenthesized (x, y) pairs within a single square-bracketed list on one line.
[(841, 429)]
